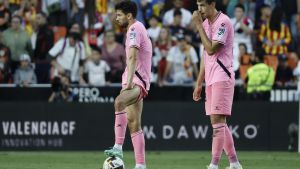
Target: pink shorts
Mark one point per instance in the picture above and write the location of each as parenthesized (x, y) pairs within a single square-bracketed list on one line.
[(219, 98)]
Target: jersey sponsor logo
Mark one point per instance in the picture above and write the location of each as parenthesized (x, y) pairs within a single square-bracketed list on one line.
[(132, 35), (221, 32)]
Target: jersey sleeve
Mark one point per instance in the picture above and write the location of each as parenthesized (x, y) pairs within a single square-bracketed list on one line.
[(220, 32), (134, 36)]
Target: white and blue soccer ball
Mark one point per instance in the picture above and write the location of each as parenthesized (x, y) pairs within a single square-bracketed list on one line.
[(113, 163)]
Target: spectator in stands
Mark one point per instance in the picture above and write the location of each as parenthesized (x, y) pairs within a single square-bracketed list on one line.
[(182, 63), (95, 24), (193, 37), (175, 26), (284, 74), (114, 54), (243, 28), (17, 40), (275, 37), (5, 72), (78, 7), (291, 11), (29, 12), (263, 15), (4, 16), (168, 18), (97, 70), (245, 60), (260, 80), (68, 55), (25, 75), (154, 28), (44, 41), (161, 49), (57, 10)]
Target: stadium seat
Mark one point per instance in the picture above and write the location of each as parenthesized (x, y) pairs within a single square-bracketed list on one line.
[(59, 32)]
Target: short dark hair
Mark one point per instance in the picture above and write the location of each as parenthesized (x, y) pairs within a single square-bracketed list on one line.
[(208, 1), (240, 6), (127, 7), (96, 48), (177, 12)]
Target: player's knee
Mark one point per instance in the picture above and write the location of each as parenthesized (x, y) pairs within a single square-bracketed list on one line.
[(217, 119), (134, 125), (119, 104), (134, 128)]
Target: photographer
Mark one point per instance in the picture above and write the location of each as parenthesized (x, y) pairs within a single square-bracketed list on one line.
[(68, 56), (60, 90)]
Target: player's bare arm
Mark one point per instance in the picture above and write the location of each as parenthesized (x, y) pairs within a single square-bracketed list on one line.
[(210, 46), (131, 62)]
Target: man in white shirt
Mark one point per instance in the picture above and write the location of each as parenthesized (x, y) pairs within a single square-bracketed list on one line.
[(68, 57), (182, 62), (168, 18), (243, 28)]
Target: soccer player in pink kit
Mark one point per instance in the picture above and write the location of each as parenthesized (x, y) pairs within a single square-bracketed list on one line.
[(217, 34), (135, 83)]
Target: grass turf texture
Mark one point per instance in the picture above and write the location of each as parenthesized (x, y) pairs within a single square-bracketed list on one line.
[(156, 160)]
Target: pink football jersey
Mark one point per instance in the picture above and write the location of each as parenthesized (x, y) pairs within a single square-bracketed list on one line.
[(137, 37), (220, 30)]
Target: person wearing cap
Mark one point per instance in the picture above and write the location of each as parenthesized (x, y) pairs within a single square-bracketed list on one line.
[(25, 75), (182, 62)]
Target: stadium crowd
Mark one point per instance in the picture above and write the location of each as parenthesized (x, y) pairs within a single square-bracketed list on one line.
[(78, 41)]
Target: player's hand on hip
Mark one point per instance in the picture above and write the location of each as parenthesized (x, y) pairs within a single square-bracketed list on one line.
[(197, 93), (127, 87)]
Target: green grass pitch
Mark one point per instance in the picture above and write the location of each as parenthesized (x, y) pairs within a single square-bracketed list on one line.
[(155, 159)]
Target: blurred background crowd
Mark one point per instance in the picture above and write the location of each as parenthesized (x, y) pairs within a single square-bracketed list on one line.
[(78, 42)]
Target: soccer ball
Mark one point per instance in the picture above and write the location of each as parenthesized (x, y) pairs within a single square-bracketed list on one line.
[(113, 163)]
